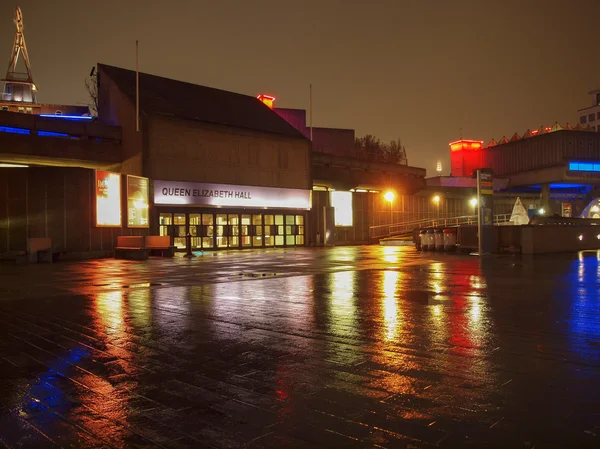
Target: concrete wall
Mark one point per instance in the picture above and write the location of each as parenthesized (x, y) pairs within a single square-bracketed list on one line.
[(115, 108), (52, 202), (183, 150), (549, 238), (84, 144)]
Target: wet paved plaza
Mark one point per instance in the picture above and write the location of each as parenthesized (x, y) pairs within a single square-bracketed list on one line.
[(358, 347)]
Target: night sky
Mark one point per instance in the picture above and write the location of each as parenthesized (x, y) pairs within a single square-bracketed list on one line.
[(415, 70)]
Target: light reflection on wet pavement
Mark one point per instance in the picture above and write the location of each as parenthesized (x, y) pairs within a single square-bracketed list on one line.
[(341, 347)]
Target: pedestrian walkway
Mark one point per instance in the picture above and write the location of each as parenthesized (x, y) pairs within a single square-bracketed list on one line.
[(376, 347)]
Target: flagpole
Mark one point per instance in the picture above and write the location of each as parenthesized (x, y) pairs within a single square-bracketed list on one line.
[(137, 87), (310, 112)]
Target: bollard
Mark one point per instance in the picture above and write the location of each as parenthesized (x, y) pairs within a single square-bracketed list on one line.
[(188, 245)]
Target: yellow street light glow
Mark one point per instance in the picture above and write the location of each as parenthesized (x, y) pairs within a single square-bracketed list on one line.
[(389, 196), (436, 199), (542, 211), (473, 202)]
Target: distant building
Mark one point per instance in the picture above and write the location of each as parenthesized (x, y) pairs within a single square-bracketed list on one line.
[(561, 165), (590, 116), (19, 93)]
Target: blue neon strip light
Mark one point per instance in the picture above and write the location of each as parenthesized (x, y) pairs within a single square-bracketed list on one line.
[(8, 129), (584, 166), (68, 117), (51, 134)]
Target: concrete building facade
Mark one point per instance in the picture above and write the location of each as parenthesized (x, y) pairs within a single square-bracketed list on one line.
[(590, 116)]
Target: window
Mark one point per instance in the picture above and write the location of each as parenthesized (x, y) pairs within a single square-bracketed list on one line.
[(598, 116), (591, 117), (583, 119), (29, 110), (598, 98), (5, 108), (21, 109)]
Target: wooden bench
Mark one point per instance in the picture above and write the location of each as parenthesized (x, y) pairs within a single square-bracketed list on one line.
[(160, 245), (131, 247)]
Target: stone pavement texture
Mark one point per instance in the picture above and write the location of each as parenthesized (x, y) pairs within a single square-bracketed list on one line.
[(350, 347)]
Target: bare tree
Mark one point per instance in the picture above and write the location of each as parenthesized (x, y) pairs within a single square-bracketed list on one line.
[(91, 85)]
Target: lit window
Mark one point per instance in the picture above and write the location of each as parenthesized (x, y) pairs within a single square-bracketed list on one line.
[(342, 203)]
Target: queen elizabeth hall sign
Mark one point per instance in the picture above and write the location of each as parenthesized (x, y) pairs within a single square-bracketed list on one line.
[(225, 195)]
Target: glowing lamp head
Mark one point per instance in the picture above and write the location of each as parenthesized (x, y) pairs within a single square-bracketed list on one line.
[(473, 202), (436, 199), (542, 211), (389, 196)]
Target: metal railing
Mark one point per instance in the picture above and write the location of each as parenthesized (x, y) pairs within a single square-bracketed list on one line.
[(390, 230)]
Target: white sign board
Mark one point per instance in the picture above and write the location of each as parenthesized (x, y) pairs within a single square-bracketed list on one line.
[(225, 195)]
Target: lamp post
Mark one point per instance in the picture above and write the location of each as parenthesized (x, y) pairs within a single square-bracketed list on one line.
[(389, 197), (436, 200)]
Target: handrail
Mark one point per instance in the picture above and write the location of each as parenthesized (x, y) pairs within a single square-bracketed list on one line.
[(390, 230)]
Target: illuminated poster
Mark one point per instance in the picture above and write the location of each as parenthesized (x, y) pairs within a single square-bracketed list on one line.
[(108, 199), (342, 203), (137, 202)]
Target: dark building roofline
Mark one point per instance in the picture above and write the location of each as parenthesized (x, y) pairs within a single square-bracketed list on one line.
[(168, 97)]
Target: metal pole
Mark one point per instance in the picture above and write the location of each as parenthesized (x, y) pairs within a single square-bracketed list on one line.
[(137, 87), (310, 112), (479, 211)]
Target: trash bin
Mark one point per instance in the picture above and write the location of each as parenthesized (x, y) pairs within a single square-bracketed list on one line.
[(420, 239), (449, 240), (438, 240), (428, 241)]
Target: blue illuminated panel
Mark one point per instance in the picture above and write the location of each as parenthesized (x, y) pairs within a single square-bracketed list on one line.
[(8, 129), (51, 134), (584, 166), (68, 117)]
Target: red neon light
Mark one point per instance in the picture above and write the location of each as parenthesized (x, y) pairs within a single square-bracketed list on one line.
[(267, 99)]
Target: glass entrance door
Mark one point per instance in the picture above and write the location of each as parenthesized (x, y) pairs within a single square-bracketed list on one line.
[(208, 231), (179, 220), (257, 230), (195, 227), (222, 231), (246, 231), (165, 224)]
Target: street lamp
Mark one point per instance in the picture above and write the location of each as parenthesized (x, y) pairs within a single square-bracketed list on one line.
[(389, 197), (436, 200), (473, 202)]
